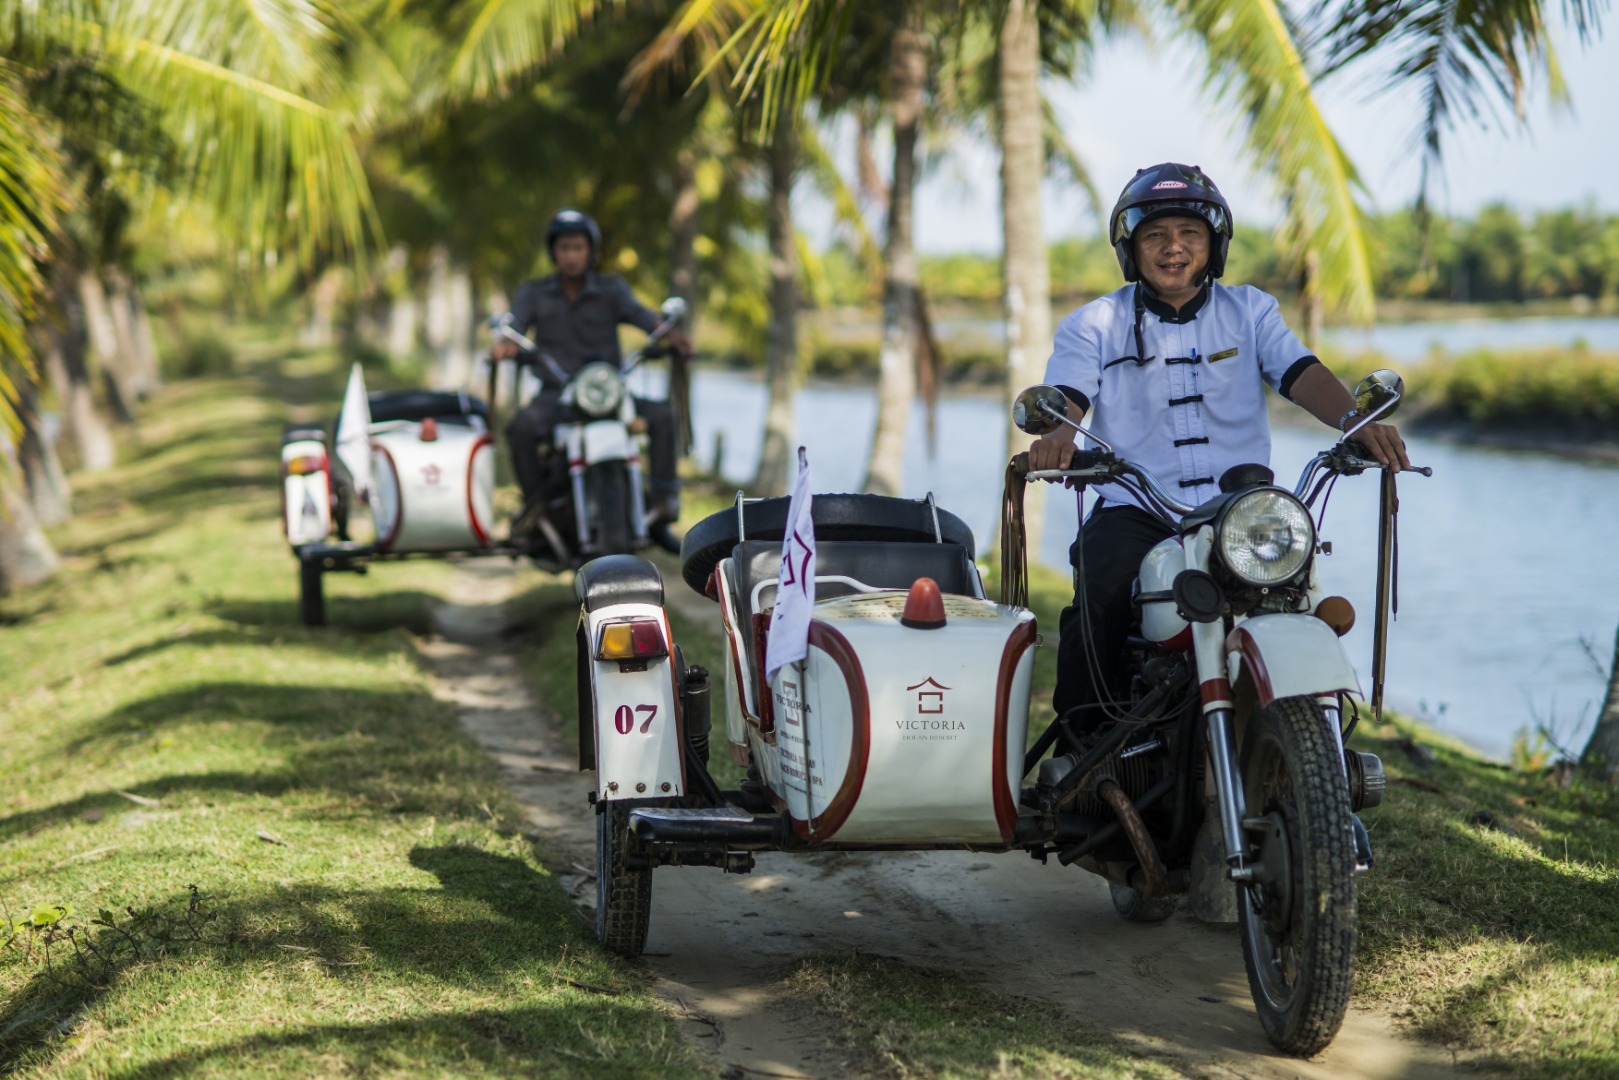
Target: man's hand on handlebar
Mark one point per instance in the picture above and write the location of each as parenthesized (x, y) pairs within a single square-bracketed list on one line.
[(1051, 454), (679, 342), (504, 349), (1384, 443)]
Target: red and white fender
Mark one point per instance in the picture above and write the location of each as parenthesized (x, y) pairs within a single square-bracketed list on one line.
[(635, 711), (1287, 655)]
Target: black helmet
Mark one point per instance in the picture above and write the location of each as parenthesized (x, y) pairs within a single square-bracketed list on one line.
[(1166, 190), (573, 223)]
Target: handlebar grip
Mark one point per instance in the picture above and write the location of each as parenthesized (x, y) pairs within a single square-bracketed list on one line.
[(1089, 459)]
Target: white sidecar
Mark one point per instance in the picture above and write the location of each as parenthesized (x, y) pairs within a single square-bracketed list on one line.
[(427, 465), (905, 726)]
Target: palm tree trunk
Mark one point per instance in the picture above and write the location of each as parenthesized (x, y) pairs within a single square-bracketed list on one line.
[(897, 364), (46, 482), (683, 225), (122, 306), (103, 333), (151, 365), (449, 320), (1601, 754), (1027, 274), (70, 376), (26, 556), (781, 338)]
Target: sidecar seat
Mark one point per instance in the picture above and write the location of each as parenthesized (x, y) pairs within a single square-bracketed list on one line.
[(913, 523)]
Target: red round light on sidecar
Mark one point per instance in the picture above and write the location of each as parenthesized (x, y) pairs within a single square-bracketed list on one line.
[(429, 429), (924, 608)]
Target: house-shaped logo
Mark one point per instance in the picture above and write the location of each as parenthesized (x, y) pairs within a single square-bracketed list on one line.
[(929, 696)]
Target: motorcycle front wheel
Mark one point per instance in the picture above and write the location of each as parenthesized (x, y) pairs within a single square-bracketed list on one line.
[(609, 485), (1298, 916), (623, 889)]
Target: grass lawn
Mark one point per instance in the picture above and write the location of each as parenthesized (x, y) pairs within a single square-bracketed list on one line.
[(366, 900)]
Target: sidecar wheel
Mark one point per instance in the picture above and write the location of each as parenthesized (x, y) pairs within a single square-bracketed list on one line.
[(1298, 918), (623, 891), (609, 487), (1137, 907), (311, 592)]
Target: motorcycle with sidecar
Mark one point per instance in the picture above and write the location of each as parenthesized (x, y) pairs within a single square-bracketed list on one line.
[(1222, 773), (426, 471)]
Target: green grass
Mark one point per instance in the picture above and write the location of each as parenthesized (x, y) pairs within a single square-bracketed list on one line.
[(166, 722)]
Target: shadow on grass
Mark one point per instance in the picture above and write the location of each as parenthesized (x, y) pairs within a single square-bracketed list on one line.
[(491, 925), (397, 749), (408, 609)]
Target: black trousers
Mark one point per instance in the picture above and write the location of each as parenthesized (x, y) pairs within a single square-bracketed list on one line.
[(535, 426), (1106, 558)]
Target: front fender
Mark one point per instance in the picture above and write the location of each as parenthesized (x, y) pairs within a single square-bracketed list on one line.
[(628, 712), (1289, 656)]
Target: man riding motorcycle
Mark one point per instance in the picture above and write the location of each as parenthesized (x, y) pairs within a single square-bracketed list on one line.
[(1175, 365), (573, 316)]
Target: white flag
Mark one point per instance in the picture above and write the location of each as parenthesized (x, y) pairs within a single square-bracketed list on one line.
[(354, 433), (795, 582)]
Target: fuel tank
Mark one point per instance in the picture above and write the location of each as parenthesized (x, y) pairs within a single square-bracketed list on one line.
[(1160, 624)]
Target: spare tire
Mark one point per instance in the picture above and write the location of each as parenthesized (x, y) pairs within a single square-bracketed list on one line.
[(837, 517)]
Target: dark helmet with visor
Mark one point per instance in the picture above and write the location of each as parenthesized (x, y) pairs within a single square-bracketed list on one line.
[(573, 223), (1169, 190)]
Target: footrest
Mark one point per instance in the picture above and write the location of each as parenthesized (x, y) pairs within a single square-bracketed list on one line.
[(730, 826)]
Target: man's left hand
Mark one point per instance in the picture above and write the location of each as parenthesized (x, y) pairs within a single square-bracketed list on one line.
[(1385, 444), (680, 342)]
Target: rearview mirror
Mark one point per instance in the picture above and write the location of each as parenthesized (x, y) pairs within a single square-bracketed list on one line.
[(499, 320), (1382, 389), (674, 309), (1037, 409)]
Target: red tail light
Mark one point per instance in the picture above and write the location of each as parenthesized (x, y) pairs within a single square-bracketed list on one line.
[(305, 464), (635, 639)]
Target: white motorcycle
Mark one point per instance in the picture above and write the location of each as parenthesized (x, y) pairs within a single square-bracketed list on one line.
[(600, 508), (1224, 774)]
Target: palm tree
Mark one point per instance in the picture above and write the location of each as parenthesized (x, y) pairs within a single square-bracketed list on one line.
[(1601, 754)]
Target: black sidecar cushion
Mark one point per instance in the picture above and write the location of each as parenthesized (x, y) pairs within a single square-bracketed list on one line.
[(837, 518), (420, 404), (618, 579)]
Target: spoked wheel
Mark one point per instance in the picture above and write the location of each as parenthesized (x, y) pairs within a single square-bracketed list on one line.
[(623, 891), (1298, 918), (609, 487), (1137, 907)]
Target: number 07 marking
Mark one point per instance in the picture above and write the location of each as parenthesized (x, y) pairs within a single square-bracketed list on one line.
[(624, 718)]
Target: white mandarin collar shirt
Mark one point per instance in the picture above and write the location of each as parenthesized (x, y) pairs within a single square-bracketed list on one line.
[(1190, 402)]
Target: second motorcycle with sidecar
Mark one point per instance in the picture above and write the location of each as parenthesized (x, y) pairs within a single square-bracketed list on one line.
[(1223, 771)]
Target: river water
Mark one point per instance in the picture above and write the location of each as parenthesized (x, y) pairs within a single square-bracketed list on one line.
[(1504, 555)]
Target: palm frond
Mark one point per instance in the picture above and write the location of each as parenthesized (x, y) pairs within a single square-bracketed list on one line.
[(507, 40), (1469, 57), (1256, 64), (32, 196)]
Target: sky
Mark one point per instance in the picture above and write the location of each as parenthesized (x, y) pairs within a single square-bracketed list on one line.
[(1141, 106)]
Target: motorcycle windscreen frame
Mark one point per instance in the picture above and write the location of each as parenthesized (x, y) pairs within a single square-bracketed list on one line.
[(306, 500), (909, 735), (435, 495), (638, 726)]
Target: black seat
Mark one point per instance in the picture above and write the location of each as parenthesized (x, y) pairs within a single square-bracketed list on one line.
[(444, 406), (838, 518)]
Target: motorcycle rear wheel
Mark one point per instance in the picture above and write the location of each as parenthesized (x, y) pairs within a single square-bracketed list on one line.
[(609, 487), (623, 892), (1298, 918)]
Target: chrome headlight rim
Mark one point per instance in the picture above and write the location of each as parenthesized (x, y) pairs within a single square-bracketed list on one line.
[(598, 389), (1236, 544)]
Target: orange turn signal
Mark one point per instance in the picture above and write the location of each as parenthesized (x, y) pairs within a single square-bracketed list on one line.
[(635, 639), (306, 464), (1337, 613)]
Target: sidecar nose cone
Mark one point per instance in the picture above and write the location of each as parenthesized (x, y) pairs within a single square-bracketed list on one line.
[(924, 608)]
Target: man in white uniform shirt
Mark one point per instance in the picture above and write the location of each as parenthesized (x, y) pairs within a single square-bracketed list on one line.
[(1174, 366)]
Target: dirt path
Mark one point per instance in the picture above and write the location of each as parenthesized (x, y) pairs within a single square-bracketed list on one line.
[(720, 945)]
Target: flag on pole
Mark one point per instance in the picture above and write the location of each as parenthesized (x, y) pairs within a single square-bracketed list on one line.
[(354, 433), (795, 582)]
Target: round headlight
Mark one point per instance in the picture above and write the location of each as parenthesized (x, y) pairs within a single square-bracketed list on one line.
[(1266, 537), (597, 389)]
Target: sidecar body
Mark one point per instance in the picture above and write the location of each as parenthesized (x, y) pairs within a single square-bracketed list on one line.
[(893, 732), (431, 467)]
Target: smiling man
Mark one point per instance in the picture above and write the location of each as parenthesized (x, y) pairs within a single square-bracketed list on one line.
[(1174, 368)]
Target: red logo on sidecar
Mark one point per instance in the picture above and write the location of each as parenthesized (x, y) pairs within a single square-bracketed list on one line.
[(929, 702), (432, 474)]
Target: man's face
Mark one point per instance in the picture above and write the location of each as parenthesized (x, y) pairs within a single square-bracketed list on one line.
[(572, 255), (1172, 253)]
